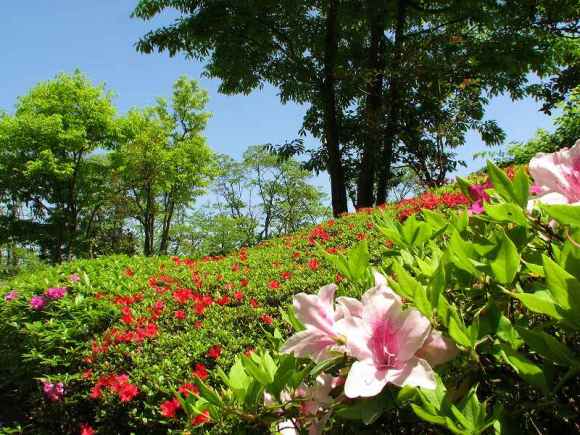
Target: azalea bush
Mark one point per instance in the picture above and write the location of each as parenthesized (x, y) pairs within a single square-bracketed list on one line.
[(453, 311)]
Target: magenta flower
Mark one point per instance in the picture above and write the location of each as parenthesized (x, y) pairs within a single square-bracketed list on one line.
[(11, 295), (37, 303), (557, 176), (479, 197), (55, 292), (53, 392), (75, 277)]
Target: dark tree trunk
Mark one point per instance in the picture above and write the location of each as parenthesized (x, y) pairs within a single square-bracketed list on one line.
[(394, 102), (168, 217), (149, 223), (376, 15), (334, 163)]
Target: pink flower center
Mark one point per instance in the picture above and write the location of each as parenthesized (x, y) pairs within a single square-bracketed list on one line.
[(384, 345)]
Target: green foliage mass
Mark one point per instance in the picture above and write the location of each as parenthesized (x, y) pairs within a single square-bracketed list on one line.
[(503, 286)]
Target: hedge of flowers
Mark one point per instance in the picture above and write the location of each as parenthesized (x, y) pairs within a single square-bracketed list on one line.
[(453, 311)]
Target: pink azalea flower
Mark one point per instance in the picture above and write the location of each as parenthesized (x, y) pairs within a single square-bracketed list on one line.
[(11, 295), (55, 292), (385, 342), (75, 277), (320, 317), (53, 392), (37, 303), (315, 403), (558, 176)]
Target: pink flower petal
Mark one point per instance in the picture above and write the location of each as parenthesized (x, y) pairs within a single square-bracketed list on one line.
[(317, 311), (358, 334), (437, 349), (364, 380), (310, 343), (347, 307), (412, 333), (415, 373)]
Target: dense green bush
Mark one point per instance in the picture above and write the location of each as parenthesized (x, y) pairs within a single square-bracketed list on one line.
[(124, 335)]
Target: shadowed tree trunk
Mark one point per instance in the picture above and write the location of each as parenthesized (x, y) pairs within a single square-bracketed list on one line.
[(376, 15), (394, 103), (334, 163)]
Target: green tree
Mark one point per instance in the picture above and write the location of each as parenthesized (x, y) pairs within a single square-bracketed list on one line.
[(49, 170), (566, 134), (163, 162), (363, 66)]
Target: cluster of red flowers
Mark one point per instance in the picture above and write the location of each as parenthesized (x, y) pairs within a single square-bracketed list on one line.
[(429, 201), (118, 384), (317, 233)]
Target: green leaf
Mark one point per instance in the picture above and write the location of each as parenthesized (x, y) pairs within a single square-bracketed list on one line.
[(548, 346), (413, 288), (506, 212), (564, 287), (527, 370), (501, 183), (458, 331), (521, 187), (460, 253), (565, 214), (506, 263), (207, 393), (540, 302)]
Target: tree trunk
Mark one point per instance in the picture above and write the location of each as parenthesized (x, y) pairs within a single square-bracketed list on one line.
[(169, 208), (374, 104), (394, 99), (149, 223), (334, 163)]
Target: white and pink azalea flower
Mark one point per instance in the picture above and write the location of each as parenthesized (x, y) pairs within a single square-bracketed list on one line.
[(391, 344), (556, 177), (314, 406), (319, 315)]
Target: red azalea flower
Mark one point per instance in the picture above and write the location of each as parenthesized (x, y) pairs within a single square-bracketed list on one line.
[(187, 389), (200, 371), (239, 296), (296, 255), (235, 267), (313, 264), (127, 392), (198, 324), (199, 308), (86, 429), (96, 392), (370, 225), (338, 278), (128, 272), (274, 284), (286, 275), (214, 352), (87, 374), (361, 236), (169, 408), (266, 319), (201, 418), (254, 303), (180, 314), (224, 300), (332, 250), (244, 282)]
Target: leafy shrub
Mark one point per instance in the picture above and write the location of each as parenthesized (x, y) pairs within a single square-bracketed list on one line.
[(132, 339)]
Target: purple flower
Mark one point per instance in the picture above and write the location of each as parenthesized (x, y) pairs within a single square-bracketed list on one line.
[(75, 277), (11, 295), (53, 392), (55, 292), (37, 303)]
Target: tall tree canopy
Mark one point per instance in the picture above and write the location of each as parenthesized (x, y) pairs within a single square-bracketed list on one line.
[(52, 182), (163, 162), (384, 80)]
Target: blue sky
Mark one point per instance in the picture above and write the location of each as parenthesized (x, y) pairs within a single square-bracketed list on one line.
[(39, 38)]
